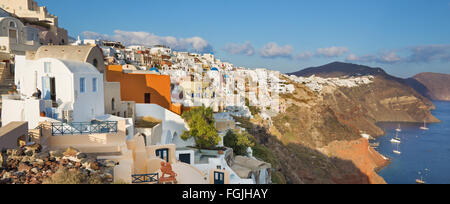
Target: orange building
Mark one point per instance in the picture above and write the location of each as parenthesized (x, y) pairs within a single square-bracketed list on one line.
[(143, 88)]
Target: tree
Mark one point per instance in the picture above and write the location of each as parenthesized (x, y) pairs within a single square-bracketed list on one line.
[(239, 142), (201, 127)]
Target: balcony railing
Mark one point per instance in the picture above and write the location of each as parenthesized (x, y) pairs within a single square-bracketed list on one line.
[(84, 128), (145, 178)]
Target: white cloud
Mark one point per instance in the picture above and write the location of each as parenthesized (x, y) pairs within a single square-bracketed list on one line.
[(195, 44), (384, 58), (427, 53), (272, 50), (236, 49), (352, 57), (332, 51), (304, 56), (390, 57)]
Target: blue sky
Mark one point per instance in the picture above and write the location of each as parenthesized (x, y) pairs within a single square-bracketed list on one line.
[(404, 37)]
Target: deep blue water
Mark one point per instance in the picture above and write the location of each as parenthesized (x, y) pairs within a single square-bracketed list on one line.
[(420, 150)]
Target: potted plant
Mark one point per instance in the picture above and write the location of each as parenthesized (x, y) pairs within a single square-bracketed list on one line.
[(220, 152)]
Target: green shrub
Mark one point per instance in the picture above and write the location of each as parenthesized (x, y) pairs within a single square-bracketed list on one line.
[(201, 127), (263, 153), (240, 142)]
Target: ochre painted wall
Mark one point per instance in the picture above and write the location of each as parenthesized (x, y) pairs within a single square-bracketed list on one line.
[(133, 87)]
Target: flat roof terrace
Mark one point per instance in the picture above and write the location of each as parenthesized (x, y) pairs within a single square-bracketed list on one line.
[(146, 122)]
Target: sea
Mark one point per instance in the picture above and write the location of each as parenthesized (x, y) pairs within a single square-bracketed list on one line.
[(424, 154)]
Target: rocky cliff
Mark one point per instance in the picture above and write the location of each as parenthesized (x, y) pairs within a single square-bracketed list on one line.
[(387, 99), (432, 85), (317, 137)]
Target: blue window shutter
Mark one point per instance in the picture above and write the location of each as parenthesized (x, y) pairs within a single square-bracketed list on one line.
[(94, 84), (82, 85)]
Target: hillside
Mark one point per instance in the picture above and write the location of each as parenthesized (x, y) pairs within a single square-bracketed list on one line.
[(387, 99), (313, 145), (317, 136), (432, 85)]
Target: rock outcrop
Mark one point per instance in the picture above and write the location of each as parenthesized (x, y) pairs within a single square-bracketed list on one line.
[(432, 85), (29, 165), (364, 157)]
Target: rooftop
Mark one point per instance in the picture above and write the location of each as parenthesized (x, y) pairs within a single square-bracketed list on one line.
[(147, 122)]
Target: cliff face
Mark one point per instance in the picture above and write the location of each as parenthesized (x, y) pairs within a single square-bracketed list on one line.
[(384, 100), (328, 138), (301, 164), (317, 137), (387, 99), (432, 85)]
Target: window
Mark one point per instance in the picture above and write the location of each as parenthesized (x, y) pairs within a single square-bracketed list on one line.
[(112, 104), (12, 24), (94, 84), (82, 85), (95, 63), (47, 67)]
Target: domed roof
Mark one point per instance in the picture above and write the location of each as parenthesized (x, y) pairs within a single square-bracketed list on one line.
[(154, 69), (214, 69)]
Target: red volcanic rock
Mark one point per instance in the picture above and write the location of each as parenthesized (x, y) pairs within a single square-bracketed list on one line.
[(363, 156)]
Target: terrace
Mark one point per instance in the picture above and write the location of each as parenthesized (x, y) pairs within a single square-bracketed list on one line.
[(94, 127)]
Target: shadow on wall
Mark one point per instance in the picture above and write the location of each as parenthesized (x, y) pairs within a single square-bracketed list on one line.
[(298, 164), (157, 98)]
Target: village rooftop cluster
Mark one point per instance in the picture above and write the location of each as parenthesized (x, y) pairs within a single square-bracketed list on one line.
[(124, 104)]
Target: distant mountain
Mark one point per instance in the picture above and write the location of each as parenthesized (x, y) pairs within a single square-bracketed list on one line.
[(432, 85), (339, 69)]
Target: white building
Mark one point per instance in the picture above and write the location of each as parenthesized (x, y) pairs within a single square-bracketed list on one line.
[(15, 37), (160, 50), (72, 91)]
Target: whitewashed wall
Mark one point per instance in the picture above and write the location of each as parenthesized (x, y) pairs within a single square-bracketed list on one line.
[(172, 124), (67, 76)]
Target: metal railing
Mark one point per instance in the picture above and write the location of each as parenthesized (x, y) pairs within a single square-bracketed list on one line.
[(145, 178), (84, 128)]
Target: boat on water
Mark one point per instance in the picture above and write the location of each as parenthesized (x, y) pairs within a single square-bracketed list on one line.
[(399, 129), (424, 127), (420, 181), (396, 139), (397, 151)]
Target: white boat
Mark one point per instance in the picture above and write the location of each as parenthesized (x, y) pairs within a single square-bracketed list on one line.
[(396, 139), (399, 129), (424, 127), (420, 181), (397, 151)]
